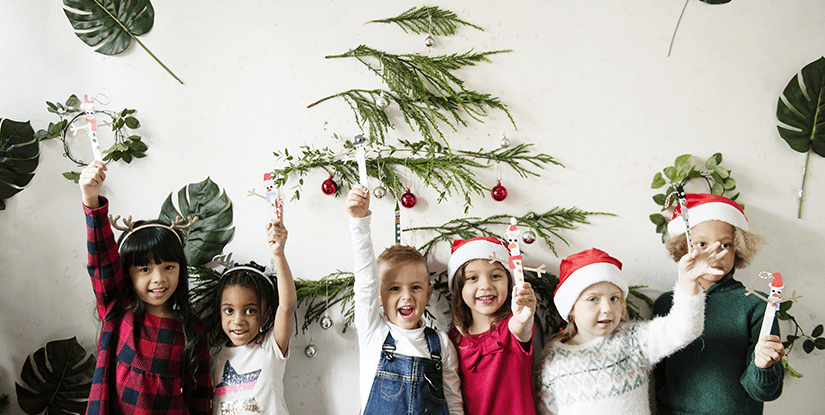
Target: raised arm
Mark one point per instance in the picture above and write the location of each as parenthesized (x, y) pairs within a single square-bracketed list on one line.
[(276, 235)]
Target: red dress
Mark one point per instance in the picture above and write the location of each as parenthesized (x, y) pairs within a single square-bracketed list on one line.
[(496, 372), (139, 356)]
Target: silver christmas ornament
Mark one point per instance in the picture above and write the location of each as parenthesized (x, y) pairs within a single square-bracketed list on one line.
[(382, 102), (311, 350), (379, 192), (326, 322), (429, 42), (528, 237), (505, 142)]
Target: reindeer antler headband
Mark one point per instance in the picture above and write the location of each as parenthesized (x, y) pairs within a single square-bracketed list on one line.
[(129, 226), (231, 266)]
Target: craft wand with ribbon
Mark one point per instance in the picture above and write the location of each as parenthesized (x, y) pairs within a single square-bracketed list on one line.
[(88, 107)]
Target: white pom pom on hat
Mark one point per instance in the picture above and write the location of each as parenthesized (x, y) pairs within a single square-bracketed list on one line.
[(703, 207), (581, 270), (481, 247)]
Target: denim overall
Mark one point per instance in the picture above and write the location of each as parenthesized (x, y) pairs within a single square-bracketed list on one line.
[(408, 385)]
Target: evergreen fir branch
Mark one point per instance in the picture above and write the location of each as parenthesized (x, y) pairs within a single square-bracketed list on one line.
[(545, 225), (633, 310), (319, 295), (437, 166), (427, 19)]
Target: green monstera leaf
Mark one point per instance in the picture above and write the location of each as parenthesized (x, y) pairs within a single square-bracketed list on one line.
[(801, 111), (114, 23), (56, 378), (207, 237), (19, 154)]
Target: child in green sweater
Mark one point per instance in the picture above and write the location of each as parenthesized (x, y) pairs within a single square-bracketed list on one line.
[(728, 370)]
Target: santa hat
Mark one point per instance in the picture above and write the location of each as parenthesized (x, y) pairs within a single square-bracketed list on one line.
[(776, 282), (703, 207), (581, 270), (474, 248)]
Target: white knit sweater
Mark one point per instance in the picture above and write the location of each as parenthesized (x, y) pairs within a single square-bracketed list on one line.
[(610, 375)]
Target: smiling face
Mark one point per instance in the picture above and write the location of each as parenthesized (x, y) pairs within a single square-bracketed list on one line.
[(485, 291), (597, 312), (155, 284), (405, 292), (240, 314), (706, 234)]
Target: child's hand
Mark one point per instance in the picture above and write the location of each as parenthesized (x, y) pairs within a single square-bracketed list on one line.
[(768, 351), (523, 306), (698, 263), (91, 178), (276, 235), (358, 201)]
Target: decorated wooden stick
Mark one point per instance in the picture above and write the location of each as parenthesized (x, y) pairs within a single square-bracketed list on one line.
[(360, 156), (774, 300), (397, 224), (89, 111), (514, 262), (682, 198), (274, 197)]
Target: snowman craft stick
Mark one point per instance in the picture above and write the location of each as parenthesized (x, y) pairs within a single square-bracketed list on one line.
[(274, 196), (88, 107), (361, 157), (773, 300), (514, 262)]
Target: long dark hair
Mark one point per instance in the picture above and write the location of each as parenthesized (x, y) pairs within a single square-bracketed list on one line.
[(156, 245), (266, 293)]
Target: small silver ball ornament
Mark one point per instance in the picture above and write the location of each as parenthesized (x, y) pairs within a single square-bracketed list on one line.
[(528, 237), (326, 322), (505, 142), (382, 102), (379, 192), (311, 350), (429, 42)]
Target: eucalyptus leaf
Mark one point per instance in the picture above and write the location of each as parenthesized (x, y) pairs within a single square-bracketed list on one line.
[(658, 219), (19, 155), (207, 237), (682, 160), (658, 181), (56, 378), (112, 24)]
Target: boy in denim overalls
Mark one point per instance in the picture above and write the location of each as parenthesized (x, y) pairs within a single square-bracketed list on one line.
[(405, 367)]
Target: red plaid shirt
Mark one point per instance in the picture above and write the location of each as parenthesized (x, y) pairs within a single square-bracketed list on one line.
[(138, 355)]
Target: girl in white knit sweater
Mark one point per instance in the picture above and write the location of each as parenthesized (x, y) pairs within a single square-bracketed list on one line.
[(600, 364)]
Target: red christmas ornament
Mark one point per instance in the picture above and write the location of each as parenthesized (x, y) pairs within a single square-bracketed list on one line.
[(329, 187), (498, 192), (408, 200)]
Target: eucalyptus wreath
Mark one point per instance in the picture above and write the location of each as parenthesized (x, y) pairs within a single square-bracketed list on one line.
[(126, 146)]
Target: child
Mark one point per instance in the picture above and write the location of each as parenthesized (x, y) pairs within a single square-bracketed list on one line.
[(600, 364), (151, 358), (492, 333), (729, 369), (247, 361), (402, 362)]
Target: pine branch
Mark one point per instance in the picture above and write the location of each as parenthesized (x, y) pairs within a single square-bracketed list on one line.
[(545, 225), (437, 166), (319, 295), (427, 19)]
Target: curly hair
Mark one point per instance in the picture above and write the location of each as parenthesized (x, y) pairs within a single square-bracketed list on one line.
[(265, 291), (462, 316), (746, 245)]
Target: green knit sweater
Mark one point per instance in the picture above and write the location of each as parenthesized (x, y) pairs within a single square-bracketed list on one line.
[(715, 374)]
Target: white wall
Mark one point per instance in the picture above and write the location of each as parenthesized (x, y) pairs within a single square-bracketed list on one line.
[(589, 83)]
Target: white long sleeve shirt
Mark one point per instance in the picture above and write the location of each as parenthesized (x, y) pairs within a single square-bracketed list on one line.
[(372, 325)]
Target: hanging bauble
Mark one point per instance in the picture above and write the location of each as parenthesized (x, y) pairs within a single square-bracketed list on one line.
[(528, 237), (429, 42), (329, 187), (382, 102), (326, 322), (408, 200), (498, 192), (505, 142), (311, 350), (379, 192)]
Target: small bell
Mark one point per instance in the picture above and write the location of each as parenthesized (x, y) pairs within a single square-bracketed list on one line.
[(429, 42)]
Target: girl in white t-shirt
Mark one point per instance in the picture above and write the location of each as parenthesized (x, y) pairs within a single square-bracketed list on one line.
[(250, 326)]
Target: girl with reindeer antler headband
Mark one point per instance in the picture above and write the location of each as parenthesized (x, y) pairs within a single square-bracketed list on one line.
[(151, 357)]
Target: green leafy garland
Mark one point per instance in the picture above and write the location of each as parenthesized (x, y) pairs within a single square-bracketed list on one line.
[(126, 146), (427, 19)]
